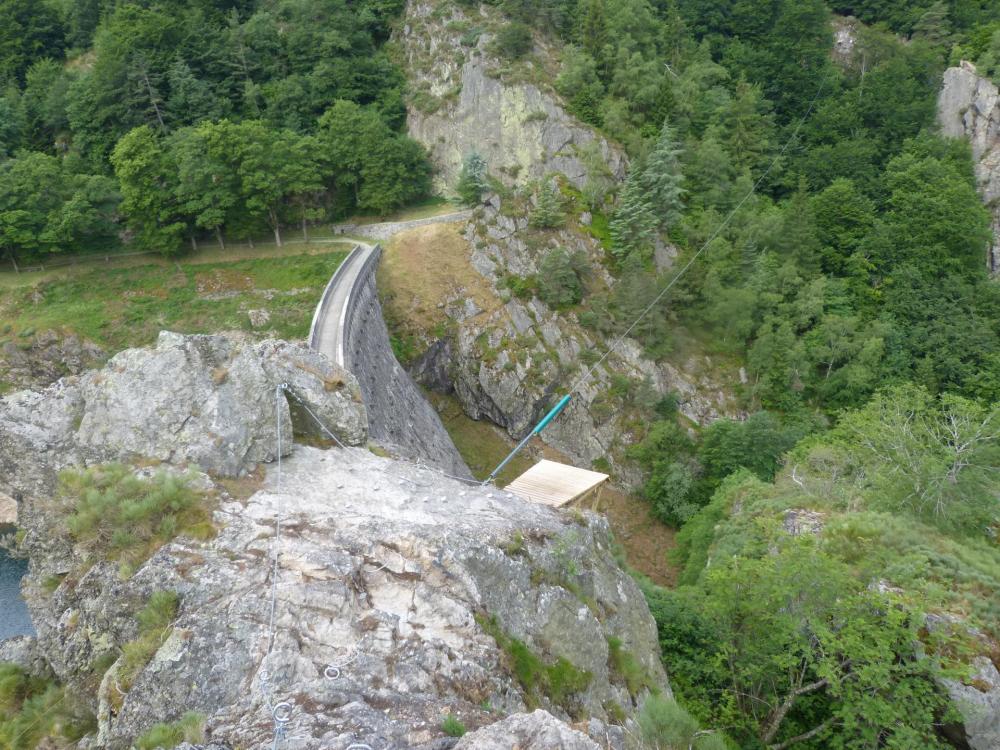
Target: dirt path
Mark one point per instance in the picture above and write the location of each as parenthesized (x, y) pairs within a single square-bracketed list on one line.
[(322, 241), (386, 229)]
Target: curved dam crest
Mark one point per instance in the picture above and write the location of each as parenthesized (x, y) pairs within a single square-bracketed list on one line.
[(348, 327)]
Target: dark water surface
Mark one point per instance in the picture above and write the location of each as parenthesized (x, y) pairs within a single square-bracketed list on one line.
[(14, 618)]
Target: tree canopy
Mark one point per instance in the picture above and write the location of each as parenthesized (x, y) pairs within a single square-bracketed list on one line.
[(297, 96)]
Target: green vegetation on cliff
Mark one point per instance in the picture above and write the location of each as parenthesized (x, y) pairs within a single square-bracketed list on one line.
[(34, 711), (838, 545)]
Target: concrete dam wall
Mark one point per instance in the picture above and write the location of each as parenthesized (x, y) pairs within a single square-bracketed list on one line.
[(349, 328)]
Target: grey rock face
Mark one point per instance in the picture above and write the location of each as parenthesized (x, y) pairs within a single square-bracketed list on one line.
[(204, 400), (510, 363), (535, 730), (390, 584), (979, 704), (385, 573), (24, 651), (969, 107), (521, 131), (45, 357)]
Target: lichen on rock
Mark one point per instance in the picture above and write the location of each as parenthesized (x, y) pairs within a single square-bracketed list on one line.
[(519, 128)]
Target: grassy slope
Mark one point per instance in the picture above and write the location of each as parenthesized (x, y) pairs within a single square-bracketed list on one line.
[(119, 308)]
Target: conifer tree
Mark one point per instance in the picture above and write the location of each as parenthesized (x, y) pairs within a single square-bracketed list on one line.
[(634, 224), (548, 212), (661, 179), (472, 179), (594, 33)]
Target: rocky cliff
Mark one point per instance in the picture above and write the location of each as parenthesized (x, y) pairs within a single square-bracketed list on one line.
[(508, 358), (969, 107), (461, 104), (358, 598)]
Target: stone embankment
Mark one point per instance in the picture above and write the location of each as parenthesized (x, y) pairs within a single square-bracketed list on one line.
[(349, 328)]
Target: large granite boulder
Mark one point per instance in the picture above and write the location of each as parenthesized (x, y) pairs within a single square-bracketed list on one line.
[(360, 598), (400, 596), (211, 401)]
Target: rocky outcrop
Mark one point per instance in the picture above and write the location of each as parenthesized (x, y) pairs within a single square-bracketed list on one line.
[(978, 699), (509, 363), (398, 595), (40, 359), (969, 107), (538, 729), (211, 401), (520, 129)]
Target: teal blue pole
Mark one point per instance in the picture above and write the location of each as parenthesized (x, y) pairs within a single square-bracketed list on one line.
[(538, 428)]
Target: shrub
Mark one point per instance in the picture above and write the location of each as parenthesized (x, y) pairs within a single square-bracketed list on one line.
[(452, 726), (33, 710), (189, 728), (669, 489), (470, 38), (624, 664), (522, 287), (560, 278), (154, 629), (559, 681), (119, 516), (666, 725), (513, 41)]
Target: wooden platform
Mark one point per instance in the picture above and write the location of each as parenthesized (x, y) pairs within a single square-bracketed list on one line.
[(556, 484)]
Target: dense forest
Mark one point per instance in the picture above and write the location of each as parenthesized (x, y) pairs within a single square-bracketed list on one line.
[(128, 112), (837, 248), (836, 245), (857, 266)]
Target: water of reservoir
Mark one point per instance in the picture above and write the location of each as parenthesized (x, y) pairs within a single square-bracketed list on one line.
[(14, 618)]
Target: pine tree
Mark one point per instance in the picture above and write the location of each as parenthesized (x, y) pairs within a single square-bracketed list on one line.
[(594, 33), (634, 224), (472, 179), (661, 179), (934, 25), (548, 213)]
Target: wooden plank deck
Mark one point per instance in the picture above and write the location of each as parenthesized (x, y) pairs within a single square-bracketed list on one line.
[(555, 484)]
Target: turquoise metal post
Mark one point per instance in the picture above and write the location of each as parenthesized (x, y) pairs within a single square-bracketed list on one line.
[(538, 428)]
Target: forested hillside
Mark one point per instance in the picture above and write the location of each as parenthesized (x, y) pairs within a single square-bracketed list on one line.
[(182, 119), (838, 558), (852, 283)]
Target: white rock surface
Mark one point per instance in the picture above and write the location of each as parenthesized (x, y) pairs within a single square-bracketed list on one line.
[(535, 730), (969, 107)]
